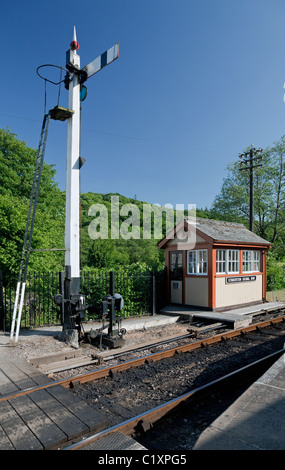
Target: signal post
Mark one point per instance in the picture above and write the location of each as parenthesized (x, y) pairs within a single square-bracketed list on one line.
[(72, 302)]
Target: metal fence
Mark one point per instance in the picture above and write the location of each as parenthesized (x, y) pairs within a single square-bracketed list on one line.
[(143, 294)]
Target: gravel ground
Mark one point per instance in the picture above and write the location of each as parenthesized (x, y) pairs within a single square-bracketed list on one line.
[(45, 341)]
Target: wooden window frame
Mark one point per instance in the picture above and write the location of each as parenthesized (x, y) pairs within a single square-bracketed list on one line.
[(196, 262), (226, 260)]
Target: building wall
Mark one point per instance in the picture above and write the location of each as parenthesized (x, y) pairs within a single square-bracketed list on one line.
[(196, 291), (211, 291), (238, 293)]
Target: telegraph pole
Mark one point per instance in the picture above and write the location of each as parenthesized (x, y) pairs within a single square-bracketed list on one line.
[(249, 159)]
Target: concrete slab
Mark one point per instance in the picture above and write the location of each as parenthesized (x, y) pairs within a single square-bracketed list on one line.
[(255, 421), (258, 308), (180, 310), (147, 322), (234, 320), (140, 323), (237, 318)]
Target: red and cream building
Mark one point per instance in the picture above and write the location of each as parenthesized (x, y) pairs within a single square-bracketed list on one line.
[(217, 265)]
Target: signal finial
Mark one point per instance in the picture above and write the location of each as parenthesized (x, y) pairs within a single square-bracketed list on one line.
[(74, 46)]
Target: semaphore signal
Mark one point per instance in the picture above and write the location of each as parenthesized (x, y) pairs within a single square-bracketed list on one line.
[(74, 302)]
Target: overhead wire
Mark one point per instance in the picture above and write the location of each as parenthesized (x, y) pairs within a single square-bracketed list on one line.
[(124, 136)]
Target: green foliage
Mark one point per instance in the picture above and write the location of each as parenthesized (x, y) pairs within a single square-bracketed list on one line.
[(133, 282), (110, 253), (232, 203), (275, 273), (11, 231), (17, 163)]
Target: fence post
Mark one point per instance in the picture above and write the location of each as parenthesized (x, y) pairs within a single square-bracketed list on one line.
[(61, 290), (153, 294), (112, 283), (2, 314)]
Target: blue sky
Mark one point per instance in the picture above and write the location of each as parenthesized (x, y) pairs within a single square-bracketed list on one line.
[(195, 84)]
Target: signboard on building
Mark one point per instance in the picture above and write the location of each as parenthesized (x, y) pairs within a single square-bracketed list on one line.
[(231, 280)]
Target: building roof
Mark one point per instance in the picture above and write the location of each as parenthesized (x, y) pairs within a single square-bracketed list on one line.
[(219, 230)]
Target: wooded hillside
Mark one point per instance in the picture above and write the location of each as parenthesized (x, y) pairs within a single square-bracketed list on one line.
[(17, 163)]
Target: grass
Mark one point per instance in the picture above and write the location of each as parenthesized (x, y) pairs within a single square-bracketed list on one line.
[(274, 295)]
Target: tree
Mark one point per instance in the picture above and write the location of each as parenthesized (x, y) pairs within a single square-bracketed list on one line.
[(108, 253), (277, 175), (232, 203), (17, 162)]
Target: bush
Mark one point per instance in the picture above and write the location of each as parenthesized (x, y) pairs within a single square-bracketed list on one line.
[(275, 274)]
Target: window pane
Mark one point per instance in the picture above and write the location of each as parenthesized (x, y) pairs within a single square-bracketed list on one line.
[(191, 262), (227, 261), (197, 262), (233, 261), (176, 265), (221, 261), (245, 261), (204, 262), (256, 261), (191, 269), (251, 261)]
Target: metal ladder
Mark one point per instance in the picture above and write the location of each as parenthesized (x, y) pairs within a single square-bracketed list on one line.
[(26, 250)]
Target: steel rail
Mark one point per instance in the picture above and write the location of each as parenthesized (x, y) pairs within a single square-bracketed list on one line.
[(151, 416), (106, 371), (120, 354)]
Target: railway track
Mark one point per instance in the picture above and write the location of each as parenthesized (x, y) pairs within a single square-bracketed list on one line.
[(141, 423), (154, 354), (55, 367), (137, 392), (110, 370), (134, 386)]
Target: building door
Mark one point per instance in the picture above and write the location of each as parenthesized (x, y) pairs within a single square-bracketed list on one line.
[(176, 276)]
